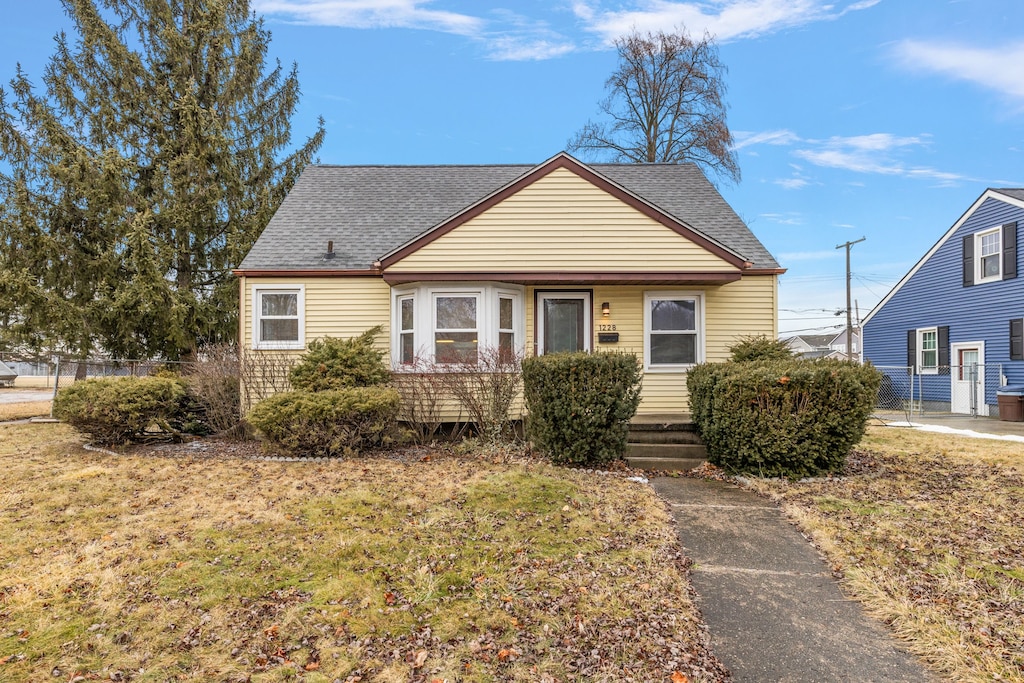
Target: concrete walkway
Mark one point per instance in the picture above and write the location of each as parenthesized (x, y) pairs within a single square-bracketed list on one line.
[(774, 611)]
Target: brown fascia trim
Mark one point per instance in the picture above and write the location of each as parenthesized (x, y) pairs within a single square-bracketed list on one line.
[(537, 277), (765, 271), (307, 273), (563, 161)]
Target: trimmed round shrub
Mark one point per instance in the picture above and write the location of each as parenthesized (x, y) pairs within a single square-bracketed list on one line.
[(328, 423), (783, 418), (333, 363), (117, 410), (580, 404)]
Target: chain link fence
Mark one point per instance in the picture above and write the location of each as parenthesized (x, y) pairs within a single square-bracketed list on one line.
[(968, 389)]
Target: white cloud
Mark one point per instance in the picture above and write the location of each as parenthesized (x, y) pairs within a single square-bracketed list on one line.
[(371, 14), (725, 19), (790, 218), (875, 153), (996, 68), (792, 183), (516, 48), (768, 137)]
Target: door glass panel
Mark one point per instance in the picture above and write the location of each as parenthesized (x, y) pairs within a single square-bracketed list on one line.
[(968, 364), (563, 325)]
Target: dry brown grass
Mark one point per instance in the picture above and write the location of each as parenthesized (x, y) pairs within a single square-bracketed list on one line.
[(928, 530), (20, 411), (178, 568)]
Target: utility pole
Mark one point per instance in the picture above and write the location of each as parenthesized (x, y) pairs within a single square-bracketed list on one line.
[(849, 308)]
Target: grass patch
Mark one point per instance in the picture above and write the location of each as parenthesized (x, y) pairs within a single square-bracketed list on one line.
[(157, 568), (927, 531), (20, 411)]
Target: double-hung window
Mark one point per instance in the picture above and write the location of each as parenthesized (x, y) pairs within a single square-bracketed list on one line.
[(406, 348), (928, 350), (278, 318), (456, 335), (673, 324), (989, 248)]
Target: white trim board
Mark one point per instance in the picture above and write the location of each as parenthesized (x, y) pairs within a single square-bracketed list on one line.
[(988, 194)]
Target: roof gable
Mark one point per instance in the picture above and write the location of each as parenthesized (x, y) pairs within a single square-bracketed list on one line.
[(1014, 197), (534, 223), (369, 212)]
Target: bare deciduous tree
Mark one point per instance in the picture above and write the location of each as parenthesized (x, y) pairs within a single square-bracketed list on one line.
[(664, 104)]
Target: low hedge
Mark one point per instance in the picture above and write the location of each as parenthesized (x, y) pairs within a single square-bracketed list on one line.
[(328, 423), (789, 418), (580, 404), (117, 410)]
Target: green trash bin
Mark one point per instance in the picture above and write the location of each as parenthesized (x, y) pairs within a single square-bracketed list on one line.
[(1011, 403)]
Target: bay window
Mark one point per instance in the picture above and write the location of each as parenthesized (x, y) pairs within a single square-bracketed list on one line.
[(455, 324)]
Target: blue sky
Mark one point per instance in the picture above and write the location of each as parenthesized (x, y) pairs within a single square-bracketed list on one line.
[(882, 119)]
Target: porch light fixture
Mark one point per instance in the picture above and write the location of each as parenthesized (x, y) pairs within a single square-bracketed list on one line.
[(606, 309)]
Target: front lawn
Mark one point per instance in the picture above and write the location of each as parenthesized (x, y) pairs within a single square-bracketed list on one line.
[(431, 568), (928, 531)]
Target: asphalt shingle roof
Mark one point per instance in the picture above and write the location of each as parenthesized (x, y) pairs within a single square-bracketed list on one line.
[(369, 211), (1016, 193)]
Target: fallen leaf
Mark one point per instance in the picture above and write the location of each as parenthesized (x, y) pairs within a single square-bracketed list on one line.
[(506, 654), (421, 657), (679, 677), (312, 666), (389, 598), (271, 632)]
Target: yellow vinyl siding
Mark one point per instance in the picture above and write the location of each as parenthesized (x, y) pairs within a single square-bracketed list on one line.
[(344, 307), (731, 311), (561, 223), (335, 306)]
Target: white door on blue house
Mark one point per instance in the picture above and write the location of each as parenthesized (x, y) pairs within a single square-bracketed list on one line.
[(967, 376), (563, 321)]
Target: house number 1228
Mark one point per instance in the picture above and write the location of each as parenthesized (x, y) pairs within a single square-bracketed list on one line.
[(606, 328)]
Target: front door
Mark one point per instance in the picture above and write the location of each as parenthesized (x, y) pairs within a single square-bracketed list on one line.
[(563, 322), (967, 390)]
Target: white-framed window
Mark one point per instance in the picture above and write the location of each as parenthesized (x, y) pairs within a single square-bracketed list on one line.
[(673, 330), (928, 350), (454, 324), (988, 260), (278, 317), (456, 327), (405, 349)]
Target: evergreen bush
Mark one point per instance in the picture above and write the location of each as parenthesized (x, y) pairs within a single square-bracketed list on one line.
[(117, 410), (789, 418), (580, 404), (759, 347), (328, 423), (333, 363)]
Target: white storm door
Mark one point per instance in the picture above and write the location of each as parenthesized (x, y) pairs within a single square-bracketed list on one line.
[(967, 377)]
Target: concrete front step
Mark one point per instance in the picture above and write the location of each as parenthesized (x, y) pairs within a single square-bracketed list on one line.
[(680, 436), (669, 464), (665, 450)]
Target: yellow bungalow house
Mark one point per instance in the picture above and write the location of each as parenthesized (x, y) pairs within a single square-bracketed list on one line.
[(647, 258)]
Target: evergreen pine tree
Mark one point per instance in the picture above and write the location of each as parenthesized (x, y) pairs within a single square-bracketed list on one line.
[(140, 175)]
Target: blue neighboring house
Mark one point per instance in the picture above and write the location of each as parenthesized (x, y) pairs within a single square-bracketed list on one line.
[(956, 318)]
